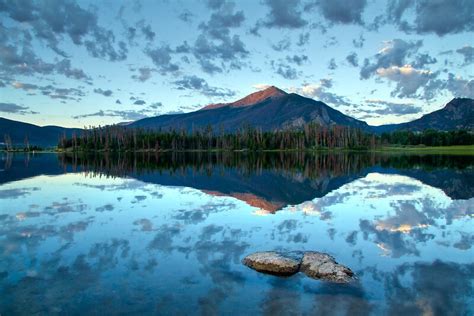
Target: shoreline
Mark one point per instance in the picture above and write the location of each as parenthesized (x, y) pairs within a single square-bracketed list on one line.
[(456, 149)]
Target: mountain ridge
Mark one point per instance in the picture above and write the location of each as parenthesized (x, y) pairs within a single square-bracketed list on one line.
[(43, 136), (460, 112)]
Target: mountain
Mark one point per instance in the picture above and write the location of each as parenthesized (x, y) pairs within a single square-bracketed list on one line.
[(46, 136), (268, 109), (457, 114)]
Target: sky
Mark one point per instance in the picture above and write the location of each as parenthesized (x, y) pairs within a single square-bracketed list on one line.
[(90, 63)]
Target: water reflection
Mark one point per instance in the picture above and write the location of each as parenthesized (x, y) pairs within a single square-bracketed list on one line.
[(165, 234)]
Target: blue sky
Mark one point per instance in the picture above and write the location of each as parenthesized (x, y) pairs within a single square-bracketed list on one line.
[(87, 63)]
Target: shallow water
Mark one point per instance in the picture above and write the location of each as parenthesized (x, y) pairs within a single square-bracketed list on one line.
[(166, 234)]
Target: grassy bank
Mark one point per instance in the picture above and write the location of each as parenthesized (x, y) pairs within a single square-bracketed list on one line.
[(452, 150)]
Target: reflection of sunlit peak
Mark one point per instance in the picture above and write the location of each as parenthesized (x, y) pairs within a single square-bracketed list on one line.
[(261, 212)]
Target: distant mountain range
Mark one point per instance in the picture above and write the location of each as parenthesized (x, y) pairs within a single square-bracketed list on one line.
[(268, 109), (457, 114), (46, 136)]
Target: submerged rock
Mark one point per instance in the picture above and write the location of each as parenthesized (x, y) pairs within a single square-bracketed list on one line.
[(322, 266), (316, 265), (274, 262)]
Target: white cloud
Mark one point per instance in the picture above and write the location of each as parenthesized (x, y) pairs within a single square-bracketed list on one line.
[(261, 86), (408, 79)]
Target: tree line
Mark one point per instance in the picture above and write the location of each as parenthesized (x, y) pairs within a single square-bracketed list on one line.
[(311, 136), (429, 137)]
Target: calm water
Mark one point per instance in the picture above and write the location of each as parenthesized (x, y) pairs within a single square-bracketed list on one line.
[(166, 234)]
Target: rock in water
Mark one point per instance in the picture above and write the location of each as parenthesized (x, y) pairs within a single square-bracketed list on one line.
[(322, 266), (274, 262), (316, 265)]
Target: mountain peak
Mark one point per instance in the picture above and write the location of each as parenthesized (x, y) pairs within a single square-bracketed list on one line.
[(259, 96), (251, 99)]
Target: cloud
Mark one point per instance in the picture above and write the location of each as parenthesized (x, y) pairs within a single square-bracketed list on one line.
[(393, 108), (285, 70), (283, 14), (303, 39), (438, 17), (399, 61), (443, 17), (22, 60), (51, 20), (342, 11), (352, 59), (62, 93), (397, 8), (230, 50), (24, 86), (215, 48), (459, 87), (200, 85), (421, 60), (282, 45), (144, 74), (147, 32), (261, 86), (155, 105), (297, 59), (52, 91), (13, 108), (139, 102), (105, 93), (408, 79), (128, 115), (319, 91), (332, 64), (358, 42), (393, 53), (161, 57), (468, 53), (186, 16), (64, 67), (222, 20)]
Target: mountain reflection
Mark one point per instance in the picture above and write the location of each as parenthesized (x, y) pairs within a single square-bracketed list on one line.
[(272, 181), (268, 181)]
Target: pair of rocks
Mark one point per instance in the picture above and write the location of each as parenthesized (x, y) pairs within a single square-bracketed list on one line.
[(316, 265)]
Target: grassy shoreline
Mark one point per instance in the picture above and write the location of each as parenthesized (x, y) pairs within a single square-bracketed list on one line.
[(455, 150)]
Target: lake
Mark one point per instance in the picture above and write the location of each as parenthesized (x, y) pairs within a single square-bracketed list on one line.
[(165, 234)]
